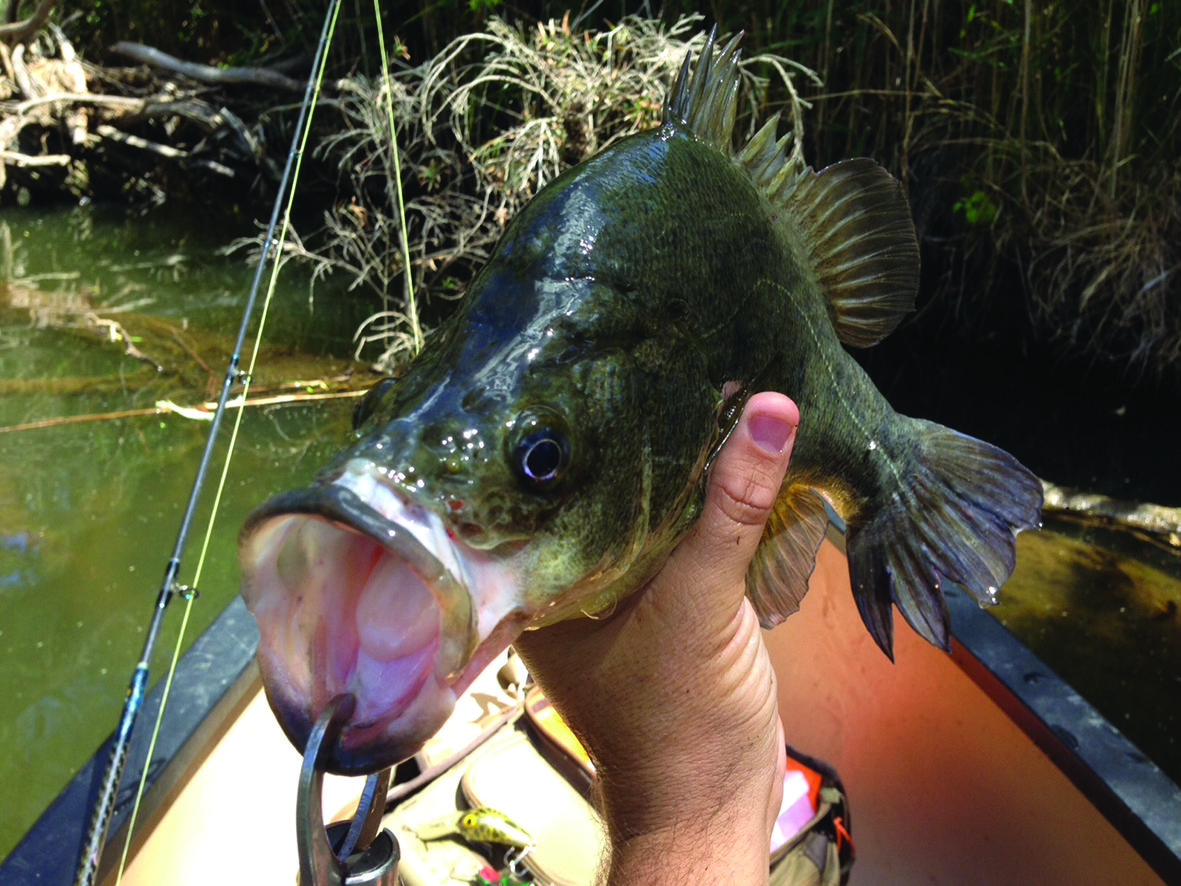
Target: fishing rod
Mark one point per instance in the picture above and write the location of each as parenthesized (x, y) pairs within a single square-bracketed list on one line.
[(104, 807)]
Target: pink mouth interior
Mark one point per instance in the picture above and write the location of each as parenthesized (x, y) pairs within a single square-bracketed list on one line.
[(340, 613)]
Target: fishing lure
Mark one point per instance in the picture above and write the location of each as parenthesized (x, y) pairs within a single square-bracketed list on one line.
[(484, 824), (479, 825)]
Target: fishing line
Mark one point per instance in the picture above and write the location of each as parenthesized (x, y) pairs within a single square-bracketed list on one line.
[(270, 245), (105, 804), (411, 304)]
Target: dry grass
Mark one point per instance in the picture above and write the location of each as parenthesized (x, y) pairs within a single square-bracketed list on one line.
[(481, 127)]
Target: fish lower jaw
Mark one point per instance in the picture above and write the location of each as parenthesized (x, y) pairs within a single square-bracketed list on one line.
[(368, 743)]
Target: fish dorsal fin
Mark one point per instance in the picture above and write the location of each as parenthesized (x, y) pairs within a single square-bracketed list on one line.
[(856, 223), (851, 219), (777, 578), (703, 101)]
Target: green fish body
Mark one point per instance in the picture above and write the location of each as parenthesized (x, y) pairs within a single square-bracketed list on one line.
[(547, 449)]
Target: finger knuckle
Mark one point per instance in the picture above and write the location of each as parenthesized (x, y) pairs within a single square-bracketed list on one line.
[(745, 499)]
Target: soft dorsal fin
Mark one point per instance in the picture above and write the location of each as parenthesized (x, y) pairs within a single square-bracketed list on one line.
[(856, 223), (851, 219)]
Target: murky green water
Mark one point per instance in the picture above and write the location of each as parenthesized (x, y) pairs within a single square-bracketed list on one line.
[(1100, 606), (89, 511)]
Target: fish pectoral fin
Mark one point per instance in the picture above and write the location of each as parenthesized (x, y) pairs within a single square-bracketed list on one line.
[(778, 575)]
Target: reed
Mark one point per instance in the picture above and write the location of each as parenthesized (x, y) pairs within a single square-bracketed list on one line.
[(1039, 143)]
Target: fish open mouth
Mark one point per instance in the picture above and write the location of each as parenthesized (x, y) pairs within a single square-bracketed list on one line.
[(357, 589)]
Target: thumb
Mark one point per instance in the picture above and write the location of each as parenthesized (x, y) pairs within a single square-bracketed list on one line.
[(743, 485)]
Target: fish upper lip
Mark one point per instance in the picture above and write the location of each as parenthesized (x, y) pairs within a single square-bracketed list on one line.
[(339, 503)]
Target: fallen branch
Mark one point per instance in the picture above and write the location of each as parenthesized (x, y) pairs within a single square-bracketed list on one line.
[(203, 412), (167, 151), (116, 334), (110, 132), (1163, 522), (20, 72), (19, 32), (205, 73), (15, 158), (90, 98)]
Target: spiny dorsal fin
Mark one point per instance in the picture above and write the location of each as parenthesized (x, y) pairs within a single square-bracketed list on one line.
[(703, 103), (852, 217), (856, 223)]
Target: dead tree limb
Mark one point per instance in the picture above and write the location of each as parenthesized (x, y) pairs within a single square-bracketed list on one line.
[(16, 158), (19, 32), (205, 73)]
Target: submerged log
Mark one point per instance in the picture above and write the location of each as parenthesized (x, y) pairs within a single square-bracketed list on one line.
[(1163, 523)]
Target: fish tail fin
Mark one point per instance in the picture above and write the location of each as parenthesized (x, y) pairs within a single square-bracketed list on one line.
[(953, 517)]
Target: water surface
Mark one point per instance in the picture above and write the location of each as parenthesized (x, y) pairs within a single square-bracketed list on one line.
[(1099, 604), (101, 316)]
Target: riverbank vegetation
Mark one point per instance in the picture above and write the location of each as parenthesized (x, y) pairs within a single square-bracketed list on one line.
[(1038, 142)]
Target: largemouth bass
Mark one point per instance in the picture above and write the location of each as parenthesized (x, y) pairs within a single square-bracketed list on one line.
[(544, 453)]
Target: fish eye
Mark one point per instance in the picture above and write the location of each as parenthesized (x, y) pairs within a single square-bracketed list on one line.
[(541, 456), (542, 451), (367, 405)]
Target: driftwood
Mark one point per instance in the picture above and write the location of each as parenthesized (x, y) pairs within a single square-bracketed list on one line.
[(167, 132), (14, 32), (42, 80), (205, 73), (1163, 523)]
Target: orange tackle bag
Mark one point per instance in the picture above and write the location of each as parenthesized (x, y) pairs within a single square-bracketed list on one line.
[(811, 844)]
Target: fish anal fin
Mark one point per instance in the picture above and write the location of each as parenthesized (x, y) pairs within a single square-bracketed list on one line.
[(778, 575), (860, 240)]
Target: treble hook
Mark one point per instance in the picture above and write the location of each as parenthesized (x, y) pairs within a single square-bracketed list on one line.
[(376, 860)]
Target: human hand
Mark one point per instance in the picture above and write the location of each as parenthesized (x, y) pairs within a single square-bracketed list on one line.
[(673, 695)]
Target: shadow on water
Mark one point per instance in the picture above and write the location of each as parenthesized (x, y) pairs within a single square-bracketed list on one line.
[(101, 316)]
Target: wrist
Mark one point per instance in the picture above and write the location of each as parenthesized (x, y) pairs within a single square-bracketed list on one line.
[(711, 848), (679, 826)]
